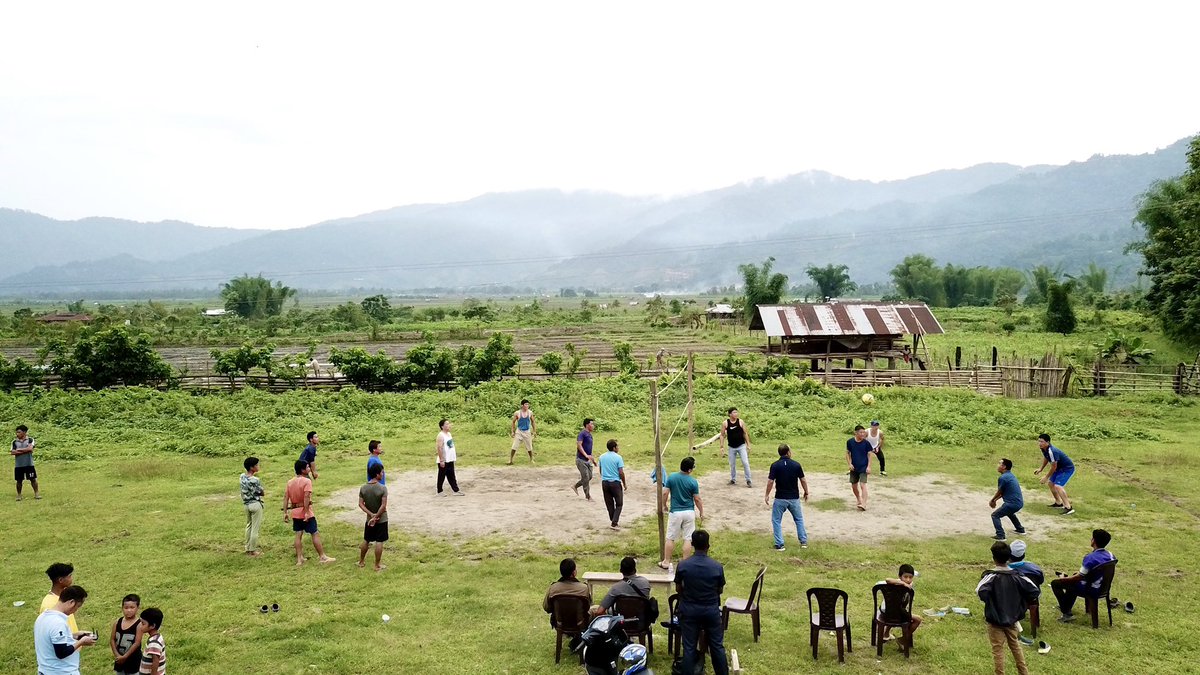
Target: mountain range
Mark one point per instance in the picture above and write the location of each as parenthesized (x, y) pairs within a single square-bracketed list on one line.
[(989, 214)]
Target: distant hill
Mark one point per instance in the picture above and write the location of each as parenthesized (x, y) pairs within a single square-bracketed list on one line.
[(991, 214)]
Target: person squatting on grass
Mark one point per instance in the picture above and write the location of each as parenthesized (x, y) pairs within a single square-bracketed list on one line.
[(22, 452), (523, 431), (1009, 490), (126, 639), (787, 477), (858, 458), (1061, 470), (612, 482), (584, 459), (154, 653), (682, 493), (735, 432), (1067, 589), (297, 504), (446, 456), (252, 499), (700, 581), (372, 500), (1005, 595), (56, 642)]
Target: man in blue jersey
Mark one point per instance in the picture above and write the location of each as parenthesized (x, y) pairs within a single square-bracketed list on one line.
[(1008, 490), (1061, 470), (309, 454), (858, 458), (376, 449)]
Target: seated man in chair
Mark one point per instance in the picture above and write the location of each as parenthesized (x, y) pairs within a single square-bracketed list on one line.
[(1067, 589), (567, 584), (633, 585)]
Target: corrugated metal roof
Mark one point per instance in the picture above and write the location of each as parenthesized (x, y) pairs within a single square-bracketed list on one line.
[(842, 319)]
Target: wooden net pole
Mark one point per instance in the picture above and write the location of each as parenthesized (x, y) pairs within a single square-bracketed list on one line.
[(691, 410), (658, 470)]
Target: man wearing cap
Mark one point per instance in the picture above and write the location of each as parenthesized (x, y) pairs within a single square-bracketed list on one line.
[(1018, 564), (875, 438), (1008, 489)]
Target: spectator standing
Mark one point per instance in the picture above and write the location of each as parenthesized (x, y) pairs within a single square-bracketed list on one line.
[(23, 470), (612, 482), (858, 458), (297, 504), (252, 500), (126, 638), (56, 642), (372, 500), (584, 459), (154, 654), (309, 454), (1005, 595), (700, 581), (447, 455), (375, 448), (62, 576)]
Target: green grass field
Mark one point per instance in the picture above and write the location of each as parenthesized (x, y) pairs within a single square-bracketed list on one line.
[(141, 496)]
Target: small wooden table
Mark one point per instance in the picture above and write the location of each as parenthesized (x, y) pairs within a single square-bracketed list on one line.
[(665, 581)]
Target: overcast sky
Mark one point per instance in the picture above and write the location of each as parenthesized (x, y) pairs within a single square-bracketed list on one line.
[(265, 114)]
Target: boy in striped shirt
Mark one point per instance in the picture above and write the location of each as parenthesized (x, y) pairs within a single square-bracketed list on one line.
[(154, 652)]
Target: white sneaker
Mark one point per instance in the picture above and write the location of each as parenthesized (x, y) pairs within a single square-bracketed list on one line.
[(460, 493)]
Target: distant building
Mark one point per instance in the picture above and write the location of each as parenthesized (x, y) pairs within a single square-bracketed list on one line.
[(65, 317), (846, 330), (215, 312)]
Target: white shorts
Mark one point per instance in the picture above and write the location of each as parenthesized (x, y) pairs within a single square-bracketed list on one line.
[(681, 525), (523, 438)]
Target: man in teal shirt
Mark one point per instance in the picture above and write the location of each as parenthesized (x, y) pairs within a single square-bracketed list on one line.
[(682, 492), (612, 482)]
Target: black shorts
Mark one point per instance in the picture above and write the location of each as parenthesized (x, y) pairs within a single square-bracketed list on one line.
[(309, 526), (375, 533), (21, 473)]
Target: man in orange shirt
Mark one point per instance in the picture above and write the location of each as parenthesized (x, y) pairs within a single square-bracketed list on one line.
[(297, 505)]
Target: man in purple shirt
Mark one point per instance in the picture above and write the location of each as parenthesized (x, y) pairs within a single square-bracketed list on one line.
[(584, 461), (1086, 583)]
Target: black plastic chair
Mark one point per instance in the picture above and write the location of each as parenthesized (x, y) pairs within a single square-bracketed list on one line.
[(896, 613), (750, 606), (674, 636), (636, 627), (826, 618), (570, 614), (1105, 574)]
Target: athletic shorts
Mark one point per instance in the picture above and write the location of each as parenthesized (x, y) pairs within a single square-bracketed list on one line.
[(309, 526), (375, 533), (1060, 478), (21, 473), (858, 477), (681, 525), (523, 438)]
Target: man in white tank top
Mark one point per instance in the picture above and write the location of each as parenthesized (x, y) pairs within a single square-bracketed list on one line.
[(875, 438)]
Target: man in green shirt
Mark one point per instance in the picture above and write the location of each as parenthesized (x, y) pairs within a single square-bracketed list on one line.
[(682, 493), (372, 500)]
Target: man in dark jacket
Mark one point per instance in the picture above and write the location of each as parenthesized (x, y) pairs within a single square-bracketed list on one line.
[(700, 580), (1005, 595)]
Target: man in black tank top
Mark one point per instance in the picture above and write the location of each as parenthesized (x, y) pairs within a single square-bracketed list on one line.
[(735, 432)]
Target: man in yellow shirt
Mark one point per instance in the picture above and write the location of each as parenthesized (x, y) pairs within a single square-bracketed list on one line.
[(61, 576)]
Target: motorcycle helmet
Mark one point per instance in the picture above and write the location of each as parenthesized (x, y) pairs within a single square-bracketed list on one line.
[(632, 659)]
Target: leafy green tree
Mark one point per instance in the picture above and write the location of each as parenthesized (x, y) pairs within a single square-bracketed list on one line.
[(574, 357), (372, 372), (1040, 279), (656, 311), (1094, 279), (761, 286), (494, 361), (1060, 315), (623, 353), (550, 362), (427, 366), (378, 308), (1170, 214), (76, 306), (474, 309), (918, 277), (833, 281), (104, 358), (350, 314), (19, 371), (242, 360), (255, 297)]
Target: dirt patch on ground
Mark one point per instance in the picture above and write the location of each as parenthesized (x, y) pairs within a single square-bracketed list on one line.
[(539, 503)]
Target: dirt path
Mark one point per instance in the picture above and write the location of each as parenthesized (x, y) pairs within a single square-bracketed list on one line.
[(538, 503)]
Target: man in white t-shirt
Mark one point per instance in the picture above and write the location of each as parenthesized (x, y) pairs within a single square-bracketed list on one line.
[(446, 456), (875, 438), (56, 646)]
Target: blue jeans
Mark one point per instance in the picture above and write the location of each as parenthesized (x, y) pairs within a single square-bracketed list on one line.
[(690, 623), (1006, 510), (777, 511), (733, 455)]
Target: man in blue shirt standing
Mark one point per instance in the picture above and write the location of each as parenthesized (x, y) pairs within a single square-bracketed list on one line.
[(787, 476), (1061, 470), (1086, 583), (376, 449), (612, 482), (682, 493), (700, 581), (583, 458), (309, 454), (858, 457), (1009, 490)]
